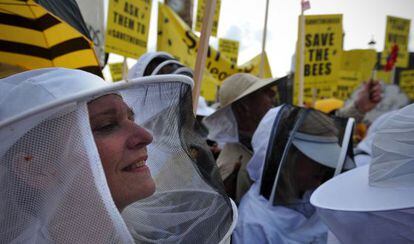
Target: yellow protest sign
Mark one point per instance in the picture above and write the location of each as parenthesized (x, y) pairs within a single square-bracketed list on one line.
[(116, 71), (229, 48), (128, 27), (200, 13), (209, 87), (407, 83), (347, 82), (176, 38), (359, 60), (397, 32), (323, 49), (384, 76)]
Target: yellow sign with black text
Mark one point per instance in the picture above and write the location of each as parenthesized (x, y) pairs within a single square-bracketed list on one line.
[(407, 83), (116, 71), (176, 38), (322, 53), (360, 60), (200, 14), (397, 32), (347, 82), (128, 27), (229, 48)]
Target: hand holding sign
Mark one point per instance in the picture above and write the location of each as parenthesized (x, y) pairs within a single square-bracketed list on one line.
[(369, 96)]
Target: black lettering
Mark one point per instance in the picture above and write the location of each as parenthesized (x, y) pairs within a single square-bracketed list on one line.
[(217, 56), (319, 53), (311, 51), (192, 40), (308, 40), (223, 75), (320, 69), (324, 39), (326, 54), (306, 70), (328, 69), (331, 39), (214, 71)]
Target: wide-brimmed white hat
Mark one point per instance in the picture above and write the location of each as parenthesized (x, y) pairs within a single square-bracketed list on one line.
[(222, 124), (387, 183), (57, 93)]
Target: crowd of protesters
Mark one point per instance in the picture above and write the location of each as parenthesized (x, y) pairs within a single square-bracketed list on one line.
[(84, 160)]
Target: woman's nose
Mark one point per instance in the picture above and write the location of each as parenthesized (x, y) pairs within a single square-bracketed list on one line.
[(140, 137)]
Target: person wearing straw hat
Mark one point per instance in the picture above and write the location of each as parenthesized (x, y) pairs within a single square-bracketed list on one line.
[(295, 150), (374, 203), (77, 151), (244, 100)]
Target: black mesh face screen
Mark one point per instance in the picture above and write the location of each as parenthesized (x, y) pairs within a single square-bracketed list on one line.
[(283, 124)]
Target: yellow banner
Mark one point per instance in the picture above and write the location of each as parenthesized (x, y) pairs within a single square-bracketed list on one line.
[(323, 49), (397, 32), (359, 60), (229, 48), (407, 83), (347, 82), (128, 27), (200, 14), (116, 71), (176, 38)]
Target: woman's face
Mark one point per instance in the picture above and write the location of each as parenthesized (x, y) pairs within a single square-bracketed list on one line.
[(122, 148)]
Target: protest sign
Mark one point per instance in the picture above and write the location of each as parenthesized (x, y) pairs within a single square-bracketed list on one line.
[(176, 38), (359, 60), (200, 14), (128, 27), (229, 48), (323, 49), (397, 32), (407, 83), (116, 71)]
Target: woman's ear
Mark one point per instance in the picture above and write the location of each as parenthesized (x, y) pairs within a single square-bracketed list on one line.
[(28, 168)]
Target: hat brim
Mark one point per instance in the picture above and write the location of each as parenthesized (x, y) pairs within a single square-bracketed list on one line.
[(351, 191), (30, 118), (323, 153), (255, 87)]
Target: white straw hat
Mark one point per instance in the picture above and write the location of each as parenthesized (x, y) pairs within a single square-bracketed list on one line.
[(387, 183), (221, 124), (240, 85)]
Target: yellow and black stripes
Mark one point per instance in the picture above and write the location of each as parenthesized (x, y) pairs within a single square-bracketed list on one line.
[(32, 38)]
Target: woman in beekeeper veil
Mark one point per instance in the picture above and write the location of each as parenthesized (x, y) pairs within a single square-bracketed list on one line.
[(295, 150), (75, 154)]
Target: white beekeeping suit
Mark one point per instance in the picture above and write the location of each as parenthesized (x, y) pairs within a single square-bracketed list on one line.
[(276, 208)]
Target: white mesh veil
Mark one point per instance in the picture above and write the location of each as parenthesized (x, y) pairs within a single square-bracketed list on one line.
[(189, 204), (53, 186)]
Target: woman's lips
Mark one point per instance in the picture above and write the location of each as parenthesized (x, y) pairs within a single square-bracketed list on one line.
[(136, 167)]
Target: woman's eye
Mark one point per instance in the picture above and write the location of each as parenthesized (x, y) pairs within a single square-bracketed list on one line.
[(106, 127)]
